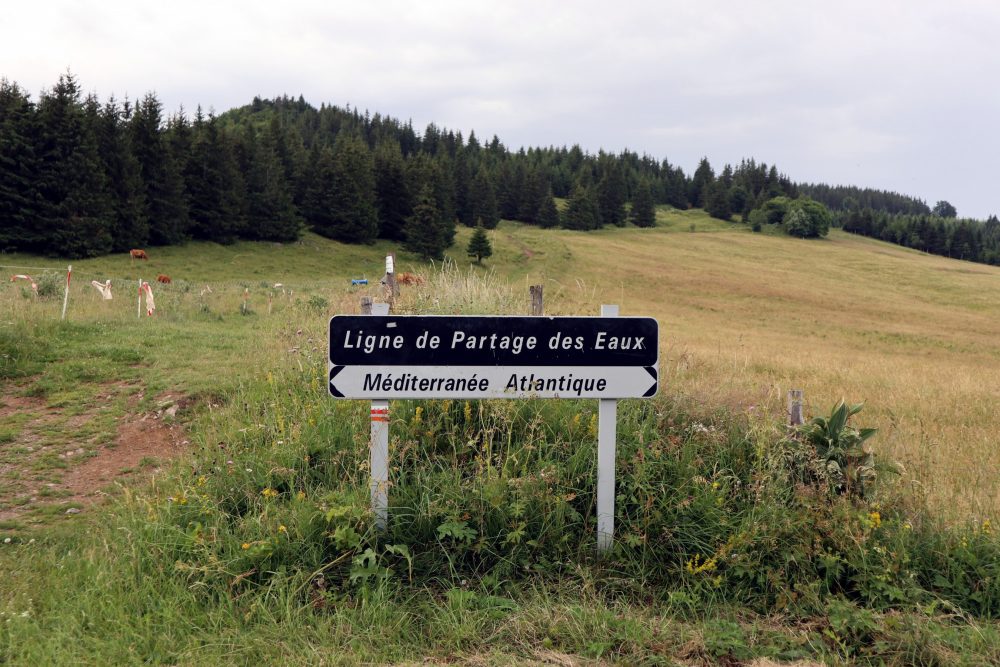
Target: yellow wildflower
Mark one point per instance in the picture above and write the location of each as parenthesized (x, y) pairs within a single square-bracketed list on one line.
[(986, 526), (418, 415), (245, 546), (301, 495), (697, 566), (269, 493), (875, 519), (282, 529), (592, 426), (467, 411)]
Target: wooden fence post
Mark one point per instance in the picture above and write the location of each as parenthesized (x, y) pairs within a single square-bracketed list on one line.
[(366, 305), (537, 304), (795, 407)]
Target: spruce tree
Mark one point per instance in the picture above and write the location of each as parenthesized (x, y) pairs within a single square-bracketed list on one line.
[(351, 216), (19, 197), (318, 201), (532, 196), (548, 214), (703, 175), (611, 192), (215, 184), (424, 233), (75, 217), (479, 245), (484, 200), (391, 195), (643, 212), (271, 211), (717, 200), (129, 225), (464, 204), (161, 174), (582, 211)]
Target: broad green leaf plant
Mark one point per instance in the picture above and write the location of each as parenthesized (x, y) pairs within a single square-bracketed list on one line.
[(848, 463)]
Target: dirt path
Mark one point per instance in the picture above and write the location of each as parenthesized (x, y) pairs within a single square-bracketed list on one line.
[(60, 461)]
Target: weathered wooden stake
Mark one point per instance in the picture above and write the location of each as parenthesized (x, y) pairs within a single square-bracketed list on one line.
[(366, 305), (795, 407), (537, 305)]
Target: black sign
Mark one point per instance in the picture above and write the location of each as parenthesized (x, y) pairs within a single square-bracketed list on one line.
[(361, 340)]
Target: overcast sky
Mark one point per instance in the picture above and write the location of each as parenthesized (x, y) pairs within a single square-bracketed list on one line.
[(893, 95)]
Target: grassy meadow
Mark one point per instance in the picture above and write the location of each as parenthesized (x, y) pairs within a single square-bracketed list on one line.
[(250, 542)]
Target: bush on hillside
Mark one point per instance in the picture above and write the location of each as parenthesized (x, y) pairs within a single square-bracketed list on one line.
[(800, 217)]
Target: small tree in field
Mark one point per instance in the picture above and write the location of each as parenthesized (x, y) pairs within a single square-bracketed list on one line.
[(479, 244)]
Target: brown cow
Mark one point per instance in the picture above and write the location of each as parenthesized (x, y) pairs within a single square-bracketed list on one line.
[(163, 279), (406, 278), (135, 253)]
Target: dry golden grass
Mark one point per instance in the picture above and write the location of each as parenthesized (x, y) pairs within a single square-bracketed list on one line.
[(744, 317)]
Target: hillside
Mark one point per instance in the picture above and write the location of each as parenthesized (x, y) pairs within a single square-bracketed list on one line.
[(743, 316)]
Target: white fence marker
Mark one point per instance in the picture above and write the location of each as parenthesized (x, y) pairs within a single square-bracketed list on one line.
[(607, 423), (69, 273), (379, 449)]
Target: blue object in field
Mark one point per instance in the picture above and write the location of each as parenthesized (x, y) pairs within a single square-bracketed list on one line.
[(359, 281)]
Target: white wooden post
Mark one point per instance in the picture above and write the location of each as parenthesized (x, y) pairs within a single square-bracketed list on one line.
[(379, 449), (607, 423), (69, 272), (138, 305)]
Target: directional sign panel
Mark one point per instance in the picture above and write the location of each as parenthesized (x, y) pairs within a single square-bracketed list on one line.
[(375, 357)]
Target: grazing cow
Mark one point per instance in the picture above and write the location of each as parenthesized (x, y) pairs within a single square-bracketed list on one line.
[(406, 278), (163, 279), (135, 253)]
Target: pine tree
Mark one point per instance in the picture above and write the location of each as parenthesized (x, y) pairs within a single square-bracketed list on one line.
[(479, 245), (532, 196), (548, 214), (703, 175), (391, 195), (351, 215), (271, 211), (464, 205), (483, 200), (129, 225), (643, 212), (424, 234), (19, 198), (611, 192), (317, 202), (423, 171), (717, 200), (215, 184), (582, 211), (161, 174), (76, 210)]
